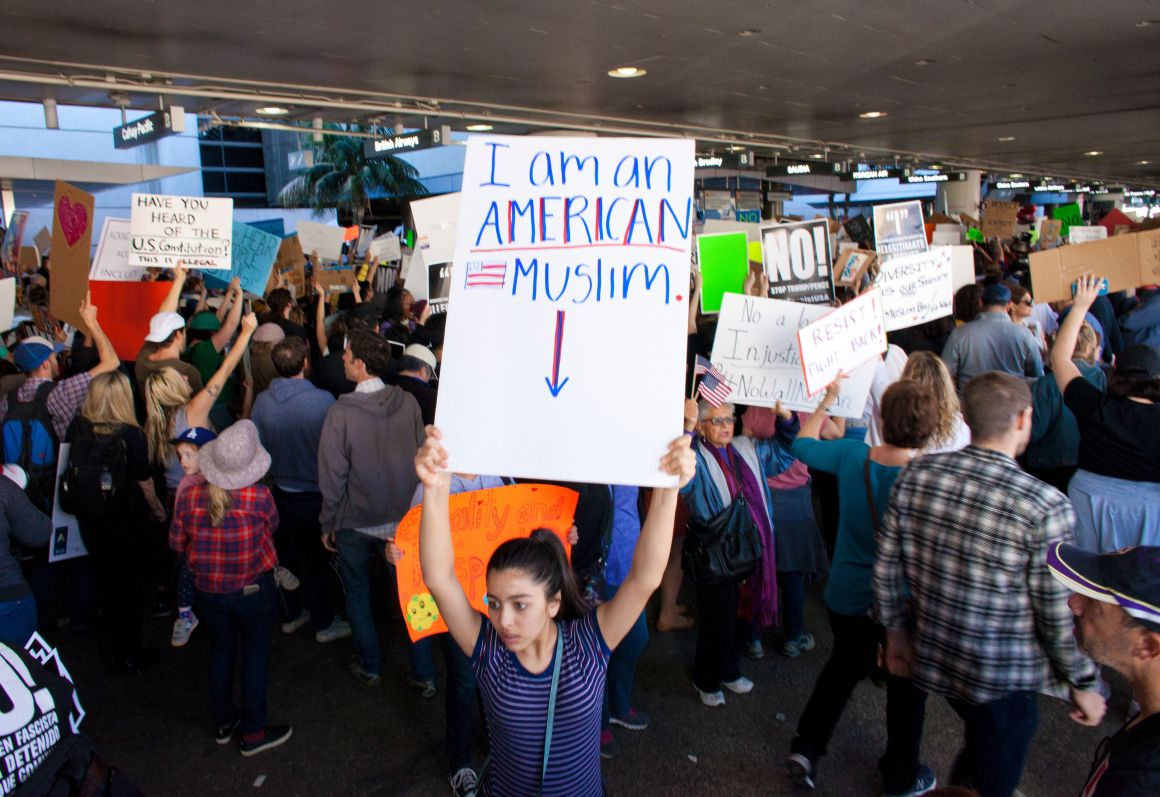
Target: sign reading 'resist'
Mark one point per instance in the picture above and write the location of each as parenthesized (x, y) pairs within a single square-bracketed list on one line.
[(196, 230), (570, 283)]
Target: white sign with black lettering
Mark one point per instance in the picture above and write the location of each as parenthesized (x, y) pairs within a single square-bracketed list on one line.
[(195, 230), (916, 288), (798, 261)]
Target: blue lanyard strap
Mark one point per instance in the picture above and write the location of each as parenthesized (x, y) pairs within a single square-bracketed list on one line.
[(552, 704)]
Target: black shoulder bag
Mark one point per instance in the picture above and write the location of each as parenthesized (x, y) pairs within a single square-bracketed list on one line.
[(726, 548)]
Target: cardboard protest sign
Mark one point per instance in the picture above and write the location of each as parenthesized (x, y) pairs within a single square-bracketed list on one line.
[(321, 238), (66, 530), (481, 521), (1050, 233), (1070, 215), (899, 229), (1083, 235), (124, 310), (111, 263), (1127, 261), (798, 261), (331, 275), (756, 350), (29, 259), (72, 234), (291, 264), (999, 219), (568, 249), (438, 286), (252, 255), (272, 226), (43, 240), (851, 266), (13, 237), (858, 229), (723, 259), (968, 220), (386, 248), (195, 230), (1148, 256), (435, 220), (916, 288), (841, 340), (7, 303)]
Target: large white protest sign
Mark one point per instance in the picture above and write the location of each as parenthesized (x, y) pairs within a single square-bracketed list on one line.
[(798, 261), (195, 230), (1083, 235), (66, 531), (916, 288), (321, 238), (386, 248), (962, 264), (570, 283), (756, 351), (841, 340), (7, 303), (111, 263), (435, 220)]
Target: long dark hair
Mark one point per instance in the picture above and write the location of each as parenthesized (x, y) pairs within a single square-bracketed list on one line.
[(541, 555)]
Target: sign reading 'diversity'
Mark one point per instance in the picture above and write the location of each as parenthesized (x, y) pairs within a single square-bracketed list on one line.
[(798, 261), (916, 288), (571, 260), (195, 230), (898, 229), (841, 340), (756, 351)]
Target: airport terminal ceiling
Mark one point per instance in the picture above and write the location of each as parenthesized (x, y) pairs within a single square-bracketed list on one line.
[(1000, 84)]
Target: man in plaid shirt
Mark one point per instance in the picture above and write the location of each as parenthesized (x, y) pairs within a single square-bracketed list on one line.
[(969, 532)]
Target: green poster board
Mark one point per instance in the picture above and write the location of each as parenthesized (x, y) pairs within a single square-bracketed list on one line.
[(724, 262), (975, 234), (1070, 215)]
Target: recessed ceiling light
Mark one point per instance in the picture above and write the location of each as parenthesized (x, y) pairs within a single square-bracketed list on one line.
[(924, 62), (816, 156), (1006, 138), (871, 114), (1091, 153), (272, 110), (1015, 176), (748, 32), (627, 71), (1144, 23), (936, 166), (479, 128), (1142, 163)]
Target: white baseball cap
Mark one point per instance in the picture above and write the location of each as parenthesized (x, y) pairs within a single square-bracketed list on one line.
[(162, 325)]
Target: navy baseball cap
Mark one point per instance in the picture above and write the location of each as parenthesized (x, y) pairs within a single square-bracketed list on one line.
[(198, 435), (997, 293), (31, 352), (1129, 578)]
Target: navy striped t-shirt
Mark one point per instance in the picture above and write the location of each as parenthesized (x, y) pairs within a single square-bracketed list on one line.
[(516, 703)]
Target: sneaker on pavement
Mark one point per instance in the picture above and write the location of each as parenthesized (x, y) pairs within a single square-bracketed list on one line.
[(608, 746), (426, 689), (799, 770), (805, 642), (368, 678), (182, 627), (226, 732), (339, 629), (754, 649), (464, 782), (923, 782), (290, 626), (791, 649), (270, 738), (633, 720), (711, 699), (285, 579), (739, 687)]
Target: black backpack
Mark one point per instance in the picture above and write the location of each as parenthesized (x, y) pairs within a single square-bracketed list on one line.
[(96, 482), (30, 441)]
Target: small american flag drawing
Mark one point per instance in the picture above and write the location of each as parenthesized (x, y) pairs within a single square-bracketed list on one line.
[(713, 388), (485, 275)]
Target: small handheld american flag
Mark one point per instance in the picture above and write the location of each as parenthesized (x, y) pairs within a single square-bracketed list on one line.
[(712, 387)]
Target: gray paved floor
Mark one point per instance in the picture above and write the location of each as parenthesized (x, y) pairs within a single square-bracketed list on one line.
[(350, 739)]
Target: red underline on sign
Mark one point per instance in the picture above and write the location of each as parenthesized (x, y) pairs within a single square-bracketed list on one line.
[(576, 246)]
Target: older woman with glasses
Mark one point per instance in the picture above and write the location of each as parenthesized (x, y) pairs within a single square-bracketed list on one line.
[(729, 468)]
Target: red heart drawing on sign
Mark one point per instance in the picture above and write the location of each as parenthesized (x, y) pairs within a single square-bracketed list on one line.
[(73, 219)]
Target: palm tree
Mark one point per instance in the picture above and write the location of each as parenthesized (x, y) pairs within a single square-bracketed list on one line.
[(343, 178)]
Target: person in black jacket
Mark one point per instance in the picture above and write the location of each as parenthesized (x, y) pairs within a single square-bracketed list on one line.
[(19, 519)]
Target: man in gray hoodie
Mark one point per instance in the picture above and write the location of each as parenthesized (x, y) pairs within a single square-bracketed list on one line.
[(366, 474)]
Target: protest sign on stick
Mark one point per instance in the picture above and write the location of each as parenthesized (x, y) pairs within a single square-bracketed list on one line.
[(723, 259), (569, 251), (841, 340), (386, 248), (195, 230), (916, 288), (72, 234), (899, 229), (798, 261), (435, 227), (481, 521), (756, 350)]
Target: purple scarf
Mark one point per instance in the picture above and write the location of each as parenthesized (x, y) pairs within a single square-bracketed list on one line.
[(761, 607)]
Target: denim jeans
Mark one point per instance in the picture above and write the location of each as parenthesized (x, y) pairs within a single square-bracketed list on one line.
[(622, 667), (17, 620), (354, 557), (245, 617), (793, 603), (996, 739), (299, 543), (854, 653), (459, 698)]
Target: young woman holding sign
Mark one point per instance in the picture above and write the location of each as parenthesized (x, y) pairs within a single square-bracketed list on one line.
[(541, 658)]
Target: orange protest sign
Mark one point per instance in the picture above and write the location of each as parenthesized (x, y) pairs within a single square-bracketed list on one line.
[(480, 522), (124, 310)]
